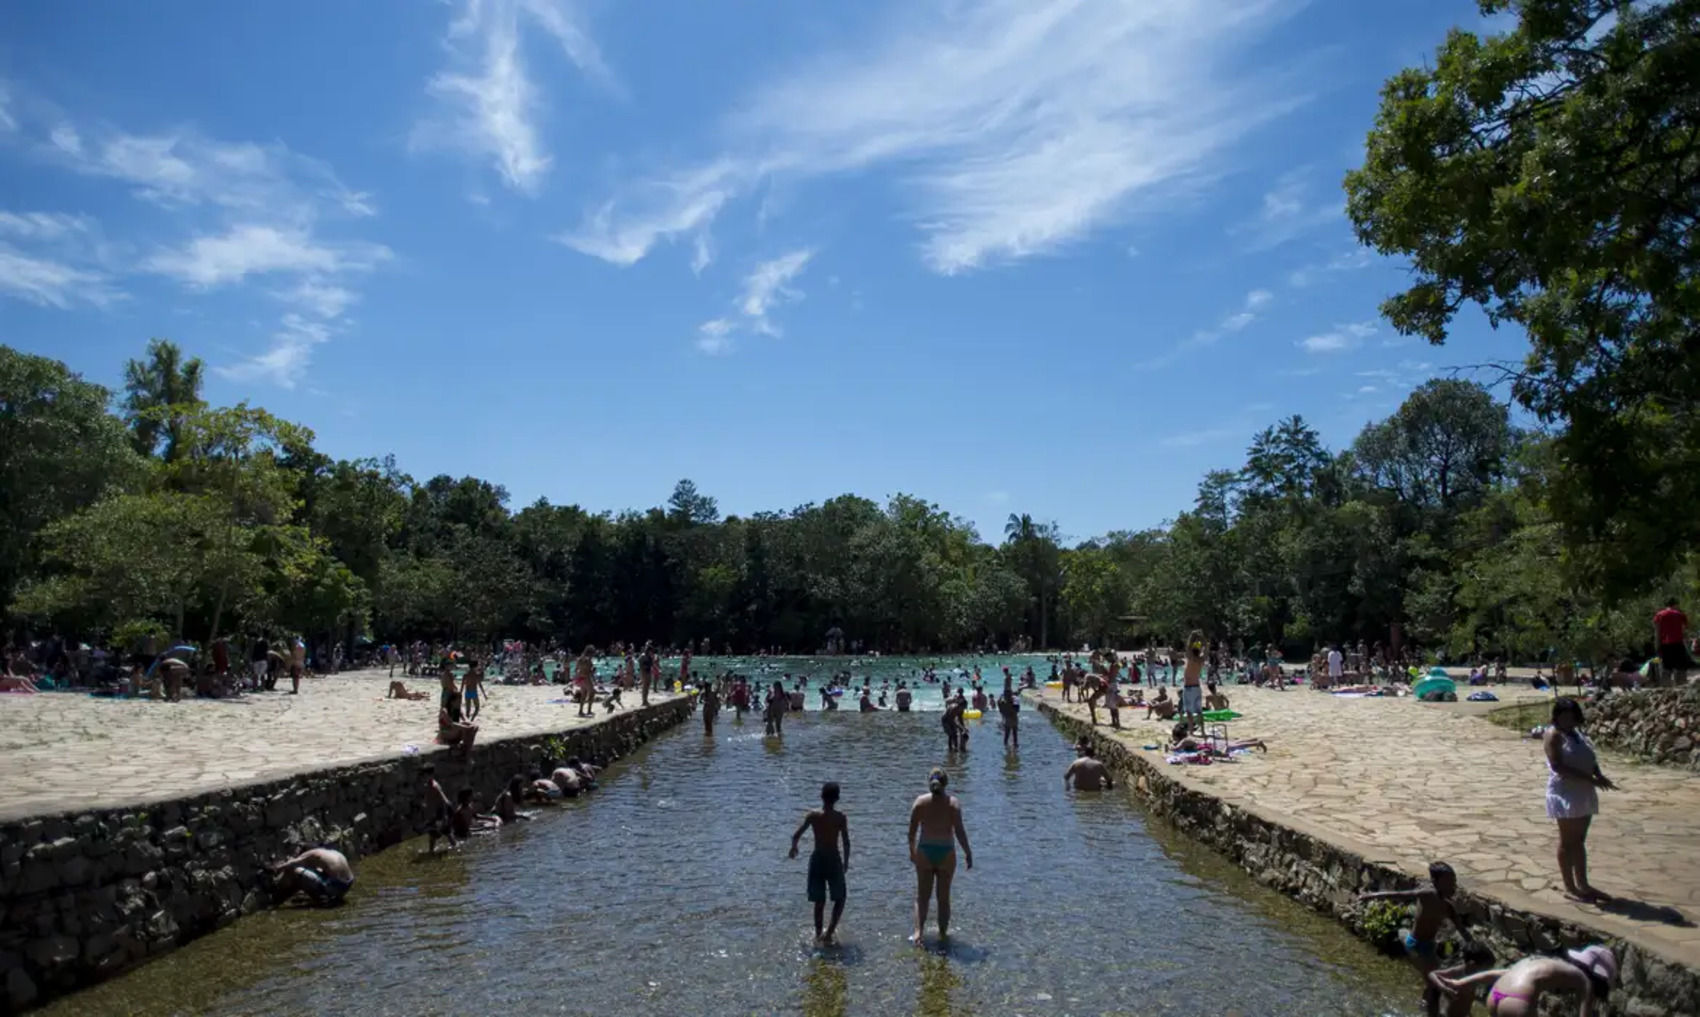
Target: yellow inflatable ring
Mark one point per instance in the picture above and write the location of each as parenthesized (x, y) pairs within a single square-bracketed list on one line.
[(971, 714)]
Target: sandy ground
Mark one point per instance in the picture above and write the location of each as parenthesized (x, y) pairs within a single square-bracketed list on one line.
[(62, 751)]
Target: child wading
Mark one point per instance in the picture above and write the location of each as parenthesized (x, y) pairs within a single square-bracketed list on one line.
[(1435, 908), (826, 866)]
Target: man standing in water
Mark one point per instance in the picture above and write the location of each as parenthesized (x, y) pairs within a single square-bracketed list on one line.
[(826, 867), (1009, 708), (937, 818), (1087, 773), (709, 701)]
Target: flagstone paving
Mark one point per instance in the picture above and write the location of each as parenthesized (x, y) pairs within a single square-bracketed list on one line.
[(1404, 783), (66, 751)]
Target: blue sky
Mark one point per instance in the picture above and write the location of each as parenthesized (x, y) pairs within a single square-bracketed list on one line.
[(1051, 256)]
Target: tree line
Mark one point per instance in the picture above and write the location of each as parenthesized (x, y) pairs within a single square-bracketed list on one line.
[(151, 512)]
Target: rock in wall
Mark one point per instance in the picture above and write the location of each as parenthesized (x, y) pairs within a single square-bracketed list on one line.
[(1328, 878), (1658, 725), (87, 895)]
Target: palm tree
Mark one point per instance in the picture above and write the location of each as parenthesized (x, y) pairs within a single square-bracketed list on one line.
[(1033, 547), (154, 386)]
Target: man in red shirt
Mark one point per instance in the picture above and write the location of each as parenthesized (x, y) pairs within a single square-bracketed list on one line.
[(1670, 626)]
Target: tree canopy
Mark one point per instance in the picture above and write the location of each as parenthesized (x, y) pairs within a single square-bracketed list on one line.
[(1434, 524), (1550, 175)]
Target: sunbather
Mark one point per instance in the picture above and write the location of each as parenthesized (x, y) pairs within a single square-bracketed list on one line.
[(398, 690)]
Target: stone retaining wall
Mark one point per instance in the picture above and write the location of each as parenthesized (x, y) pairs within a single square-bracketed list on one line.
[(1328, 878), (86, 895), (1658, 725)]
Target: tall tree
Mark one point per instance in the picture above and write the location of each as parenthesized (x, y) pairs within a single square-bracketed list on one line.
[(60, 451), (1551, 176)]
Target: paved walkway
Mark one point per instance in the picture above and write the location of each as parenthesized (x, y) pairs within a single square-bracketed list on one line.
[(64, 751), (1405, 783)]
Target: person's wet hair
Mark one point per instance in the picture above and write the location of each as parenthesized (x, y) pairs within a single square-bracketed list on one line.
[(829, 793), (428, 770), (1440, 870), (465, 795), (1477, 955), (1564, 705), (937, 780)]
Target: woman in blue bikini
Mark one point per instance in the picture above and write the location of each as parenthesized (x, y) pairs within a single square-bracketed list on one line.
[(935, 827)]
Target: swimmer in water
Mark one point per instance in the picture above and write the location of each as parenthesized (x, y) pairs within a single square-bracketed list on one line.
[(826, 866), (935, 828), (1087, 773)]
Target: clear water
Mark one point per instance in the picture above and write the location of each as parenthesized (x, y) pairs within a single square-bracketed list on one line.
[(669, 892), (881, 674)]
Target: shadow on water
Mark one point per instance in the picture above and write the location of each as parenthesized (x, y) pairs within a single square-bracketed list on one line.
[(669, 891)]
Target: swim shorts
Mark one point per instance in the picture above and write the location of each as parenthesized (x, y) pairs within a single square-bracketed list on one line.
[(1420, 947), (826, 877), (1192, 699), (323, 888)]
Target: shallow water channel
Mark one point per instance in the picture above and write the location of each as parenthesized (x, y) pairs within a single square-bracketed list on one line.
[(669, 892)]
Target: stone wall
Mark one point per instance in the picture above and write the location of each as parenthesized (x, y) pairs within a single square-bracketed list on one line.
[(86, 895), (1328, 879), (1658, 725)]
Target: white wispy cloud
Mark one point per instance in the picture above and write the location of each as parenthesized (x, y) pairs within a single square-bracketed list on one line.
[(286, 360), (51, 283), (715, 337), (245, 211), (1405, 375), (489, 105), (54, 259), (766, 287), (769, 285), (181, 168), (1235, 321), (43, 225), (1338, 339), (1019, 125), (1287, 212), (1189, 439), (1346, 261), (652, 211), (257, 249), (702, 254)]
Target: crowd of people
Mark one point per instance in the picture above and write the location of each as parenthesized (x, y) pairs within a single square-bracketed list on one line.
[(161, 669)]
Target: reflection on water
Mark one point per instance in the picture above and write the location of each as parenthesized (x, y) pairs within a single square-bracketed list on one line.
[(669, 892)]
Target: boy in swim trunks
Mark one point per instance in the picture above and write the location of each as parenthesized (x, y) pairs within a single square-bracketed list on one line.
[(441, 809), (826, 866), (321, 874), (1434, 908)]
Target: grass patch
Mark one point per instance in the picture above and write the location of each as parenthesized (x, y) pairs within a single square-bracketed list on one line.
[(1522, 717)]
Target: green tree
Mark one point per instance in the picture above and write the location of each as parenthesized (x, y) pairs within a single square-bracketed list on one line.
[(1551, 176), (60, 451)]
